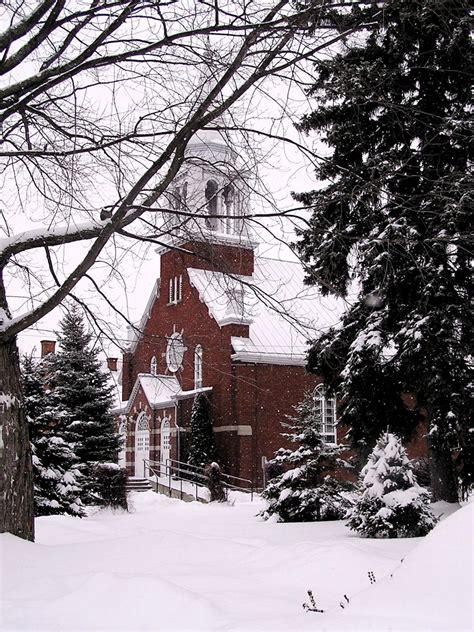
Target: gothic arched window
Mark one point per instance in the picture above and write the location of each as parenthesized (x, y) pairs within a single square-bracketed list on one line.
[(229, 196), (142, 423), (198, 366), (229, 202), (326, 408), (211, 199), (184, 196), (153, 365)]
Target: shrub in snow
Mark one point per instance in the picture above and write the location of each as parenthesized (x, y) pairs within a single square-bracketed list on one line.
[(202, 445), (56, 478), (392, 504), (214, 483), (306, 492), (110, 485)]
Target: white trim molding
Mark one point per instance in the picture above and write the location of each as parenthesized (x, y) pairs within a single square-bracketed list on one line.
[(241, 430), (267, 358)]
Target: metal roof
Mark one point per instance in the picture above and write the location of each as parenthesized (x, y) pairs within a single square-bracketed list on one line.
[(283, 314)]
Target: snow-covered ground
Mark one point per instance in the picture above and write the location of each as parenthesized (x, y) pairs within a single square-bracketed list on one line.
[(169, 565)]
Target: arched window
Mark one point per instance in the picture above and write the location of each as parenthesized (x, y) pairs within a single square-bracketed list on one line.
[(142, 423), (184, 195), (198, 367), (122, 432), (153, 365), (211, 193), (238, 224), (229, 202), (165, 446), (175, 290), (326, 408)]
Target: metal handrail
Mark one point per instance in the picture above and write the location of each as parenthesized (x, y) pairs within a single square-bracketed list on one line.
[(174, 469), (226, 478), (157, 468), (187, 468)]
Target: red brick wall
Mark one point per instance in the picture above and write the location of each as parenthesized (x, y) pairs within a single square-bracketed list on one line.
[(267, 393), (223, 258)]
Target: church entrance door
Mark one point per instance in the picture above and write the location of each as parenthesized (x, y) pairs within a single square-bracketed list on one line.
[(142, 446), (165, 446)]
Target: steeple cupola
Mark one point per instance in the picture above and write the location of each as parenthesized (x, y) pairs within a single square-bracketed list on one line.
[(209, 199)]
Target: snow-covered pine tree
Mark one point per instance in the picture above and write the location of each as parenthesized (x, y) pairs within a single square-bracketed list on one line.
[(202, 444), (394, 213), (57, 481), (307, 491), (84, 394), (392, 504)]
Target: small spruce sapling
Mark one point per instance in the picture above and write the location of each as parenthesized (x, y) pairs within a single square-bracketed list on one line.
[(111, 485), (392, 504), (306, 492)]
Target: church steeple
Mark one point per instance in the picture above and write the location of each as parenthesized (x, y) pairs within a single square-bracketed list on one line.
[(211, 190), (213, 187)]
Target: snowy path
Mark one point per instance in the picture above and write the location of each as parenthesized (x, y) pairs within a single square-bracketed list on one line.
[(186, 566)]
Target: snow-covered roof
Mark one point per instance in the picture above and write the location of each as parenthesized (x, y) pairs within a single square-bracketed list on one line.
[(159, 389), (282, 313), (134, 334)]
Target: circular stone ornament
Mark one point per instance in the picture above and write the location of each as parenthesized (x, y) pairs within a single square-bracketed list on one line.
[(175, 352)]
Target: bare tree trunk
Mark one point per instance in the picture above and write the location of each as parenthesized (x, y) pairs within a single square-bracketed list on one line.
[(16, 471), (443, 478)]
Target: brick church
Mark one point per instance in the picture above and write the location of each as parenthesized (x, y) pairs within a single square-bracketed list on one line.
[(221, 320)]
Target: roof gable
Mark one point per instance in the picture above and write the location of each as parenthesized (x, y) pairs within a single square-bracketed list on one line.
[(158, 389), (283, 313)]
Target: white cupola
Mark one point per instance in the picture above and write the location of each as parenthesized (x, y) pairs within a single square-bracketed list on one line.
[(211, 190)]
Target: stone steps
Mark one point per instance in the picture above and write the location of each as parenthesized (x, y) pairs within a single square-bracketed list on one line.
[(138, 485)]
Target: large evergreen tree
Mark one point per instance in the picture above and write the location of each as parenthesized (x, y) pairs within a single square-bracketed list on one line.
[(392, 504), (393, 218), (56, 478), (307, 490), (202, 445), (84, 394)]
